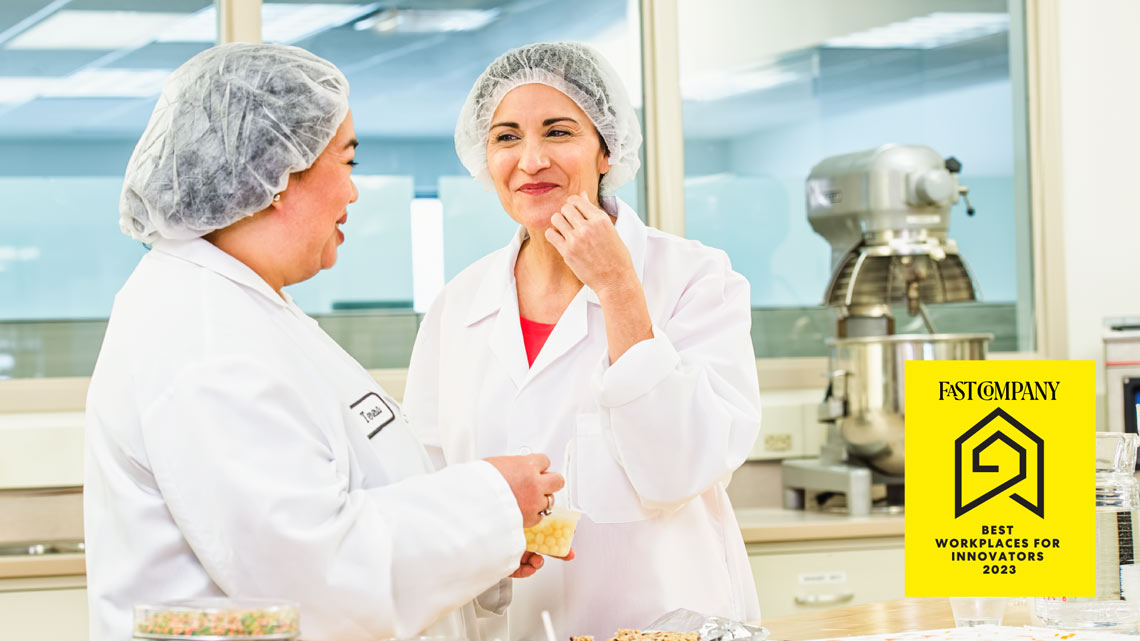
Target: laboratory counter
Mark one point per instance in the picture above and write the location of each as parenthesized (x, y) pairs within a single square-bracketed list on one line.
[(757, 525), (773, 524), (900, 615), (46, 565)]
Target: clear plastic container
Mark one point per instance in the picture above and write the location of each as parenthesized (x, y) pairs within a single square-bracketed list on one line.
[(219, 619), (554, 533), (1117, 601), (972, 611)]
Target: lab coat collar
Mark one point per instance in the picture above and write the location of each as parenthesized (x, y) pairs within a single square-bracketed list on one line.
[(499, 285), (205, 254), (499, 291)]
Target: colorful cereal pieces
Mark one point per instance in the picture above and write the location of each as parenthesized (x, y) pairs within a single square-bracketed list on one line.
[(218, 618), (553, 535)]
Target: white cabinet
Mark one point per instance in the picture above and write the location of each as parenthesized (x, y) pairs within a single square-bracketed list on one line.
[(44, 608), (794, 577)]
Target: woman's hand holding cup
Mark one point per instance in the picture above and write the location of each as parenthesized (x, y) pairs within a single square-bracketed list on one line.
[(530, 481)]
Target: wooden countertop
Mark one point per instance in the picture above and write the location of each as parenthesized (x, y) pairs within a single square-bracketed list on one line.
[(765, 524), (876, 618), (12, 567)]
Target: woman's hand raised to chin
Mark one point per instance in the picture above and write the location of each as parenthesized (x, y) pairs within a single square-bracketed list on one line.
[(586, 238)]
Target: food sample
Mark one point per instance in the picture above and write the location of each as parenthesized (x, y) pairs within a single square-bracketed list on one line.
[(553, 534), (635, 635), (625, 634), (218, 618)]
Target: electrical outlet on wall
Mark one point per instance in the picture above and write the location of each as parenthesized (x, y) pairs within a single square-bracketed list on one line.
[(778, 442)]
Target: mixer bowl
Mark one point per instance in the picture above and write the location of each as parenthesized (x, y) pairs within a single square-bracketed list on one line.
[(871, 376)]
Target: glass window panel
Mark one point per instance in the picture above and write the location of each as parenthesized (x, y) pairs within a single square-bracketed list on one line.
[(374, 265), (631, 192), (74, 100), (474, 223), (59, 256), (784, 85), (63, 151)]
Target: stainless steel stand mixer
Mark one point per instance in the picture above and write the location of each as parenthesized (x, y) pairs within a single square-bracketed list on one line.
[(886, 214)]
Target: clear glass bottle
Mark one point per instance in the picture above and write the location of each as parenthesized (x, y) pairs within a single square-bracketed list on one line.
[(1117, 601)]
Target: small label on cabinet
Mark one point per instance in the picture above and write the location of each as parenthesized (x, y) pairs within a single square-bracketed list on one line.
[(822, 578)]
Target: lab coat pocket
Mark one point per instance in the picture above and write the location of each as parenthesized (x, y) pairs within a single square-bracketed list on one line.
[(601, 488)]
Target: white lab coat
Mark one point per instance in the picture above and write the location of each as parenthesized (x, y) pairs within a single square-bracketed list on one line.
[(651, 440), (232, 449)]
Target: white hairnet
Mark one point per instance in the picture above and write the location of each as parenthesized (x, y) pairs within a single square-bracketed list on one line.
[(577, 71), (230, 126)]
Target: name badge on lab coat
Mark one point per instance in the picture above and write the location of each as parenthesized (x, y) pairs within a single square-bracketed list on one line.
[(373, 412)]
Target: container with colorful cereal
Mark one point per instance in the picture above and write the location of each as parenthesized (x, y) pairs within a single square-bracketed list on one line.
[(219, 619)]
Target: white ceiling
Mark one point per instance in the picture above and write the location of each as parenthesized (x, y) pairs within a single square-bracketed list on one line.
[(403, 85), (412, 85)]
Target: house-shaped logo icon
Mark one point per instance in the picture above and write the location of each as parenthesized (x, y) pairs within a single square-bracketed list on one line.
[(976, 483)]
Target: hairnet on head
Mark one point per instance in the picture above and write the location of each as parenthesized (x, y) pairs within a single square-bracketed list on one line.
[(577, 71), (230, 126)]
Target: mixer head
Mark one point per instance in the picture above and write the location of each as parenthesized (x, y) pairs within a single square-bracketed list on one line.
[(886, 213)]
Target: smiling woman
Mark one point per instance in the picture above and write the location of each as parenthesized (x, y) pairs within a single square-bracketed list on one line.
[(264, 440), (304, 219), (621, 350), (542, 149)]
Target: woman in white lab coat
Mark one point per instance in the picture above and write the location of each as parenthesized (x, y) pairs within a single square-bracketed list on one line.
[(591, 334), (233, 449)]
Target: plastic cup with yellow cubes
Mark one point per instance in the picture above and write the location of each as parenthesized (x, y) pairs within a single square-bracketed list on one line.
[(554, 533)]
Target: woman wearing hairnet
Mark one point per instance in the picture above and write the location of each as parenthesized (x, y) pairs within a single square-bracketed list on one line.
[(591, 334), (233, 449)]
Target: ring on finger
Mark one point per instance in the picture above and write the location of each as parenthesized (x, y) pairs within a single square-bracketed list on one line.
[(549, 505)]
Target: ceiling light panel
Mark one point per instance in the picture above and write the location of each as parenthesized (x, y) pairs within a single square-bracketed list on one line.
[(90, 83), (108, 30), (19, 89), (925, 32), (428, 20), (293, 22), (724, 84), (109, 83), (281, 23)]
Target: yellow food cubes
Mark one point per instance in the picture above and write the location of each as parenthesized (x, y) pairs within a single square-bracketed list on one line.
[(552, 535)]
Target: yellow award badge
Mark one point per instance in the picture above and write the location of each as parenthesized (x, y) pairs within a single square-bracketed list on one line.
[(1000, 481)]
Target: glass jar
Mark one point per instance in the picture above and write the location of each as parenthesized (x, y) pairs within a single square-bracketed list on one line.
[(1117, 601), (219, 619)]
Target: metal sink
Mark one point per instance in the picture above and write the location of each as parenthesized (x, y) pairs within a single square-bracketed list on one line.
[(41, 548)]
